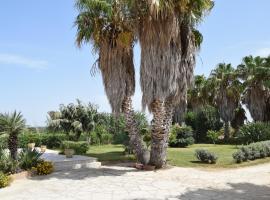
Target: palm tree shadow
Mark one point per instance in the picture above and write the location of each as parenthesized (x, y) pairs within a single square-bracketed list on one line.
[(80, 174), (238, 191)]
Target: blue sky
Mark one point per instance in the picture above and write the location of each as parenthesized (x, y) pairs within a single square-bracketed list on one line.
[(40, 66)]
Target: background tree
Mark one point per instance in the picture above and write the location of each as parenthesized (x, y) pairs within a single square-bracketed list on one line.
[(12, 124), (228, 90), (255, 73)]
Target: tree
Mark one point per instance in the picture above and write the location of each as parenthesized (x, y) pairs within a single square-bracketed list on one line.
[(167, 35), (255, 73), (228, 90), (12, 124), (108, 26)]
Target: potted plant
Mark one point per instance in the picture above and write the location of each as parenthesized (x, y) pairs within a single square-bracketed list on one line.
[(69, 152), (43, 148), (31, 145)]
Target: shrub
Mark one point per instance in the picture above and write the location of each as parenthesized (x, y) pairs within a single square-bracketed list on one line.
[(254, 132), (48, 139), (4, 180), (252, 152), (26, 138), (7, 164), (53, 140), (181, 136), (205, 156), (213, 135), (44, 168), (29, 158), (206, 118), (78, 147)]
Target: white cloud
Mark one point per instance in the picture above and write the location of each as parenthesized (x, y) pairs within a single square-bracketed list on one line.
[(263, 52), (11, 59)]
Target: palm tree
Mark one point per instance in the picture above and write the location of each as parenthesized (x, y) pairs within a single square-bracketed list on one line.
[(108, 25), (12, 124), (167, 35), (74, 118), (255, 72), (228, 90)]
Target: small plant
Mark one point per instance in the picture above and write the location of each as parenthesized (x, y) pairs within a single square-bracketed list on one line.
[(205, 156), (213, 135), (44, 168), (4, 180), (29, 158)]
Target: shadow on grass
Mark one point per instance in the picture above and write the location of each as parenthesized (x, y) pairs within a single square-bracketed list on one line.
[(240, 191)]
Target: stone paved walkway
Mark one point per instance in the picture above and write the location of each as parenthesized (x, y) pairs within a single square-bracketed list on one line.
[(112, 182)]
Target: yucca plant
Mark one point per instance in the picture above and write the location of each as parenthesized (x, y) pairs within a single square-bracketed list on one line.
[(12, 124)]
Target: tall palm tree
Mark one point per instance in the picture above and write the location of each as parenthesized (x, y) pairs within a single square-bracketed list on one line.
[(228, 90), (12, 124), (108, 26), (166, 31), (255, 72)]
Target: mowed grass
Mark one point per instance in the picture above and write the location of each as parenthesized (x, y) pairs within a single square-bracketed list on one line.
[(181, 157)]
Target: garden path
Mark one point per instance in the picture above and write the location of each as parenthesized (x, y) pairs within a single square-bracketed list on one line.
[(118, 182)]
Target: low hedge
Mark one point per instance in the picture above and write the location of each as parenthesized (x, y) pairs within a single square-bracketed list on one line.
[(48, 139), (78, 147), (252, 152)]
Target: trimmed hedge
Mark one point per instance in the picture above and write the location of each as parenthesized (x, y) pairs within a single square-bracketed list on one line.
[(252, 152), (78, 147)]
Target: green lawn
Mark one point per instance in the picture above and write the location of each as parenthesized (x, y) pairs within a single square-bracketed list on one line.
[(182, 157)]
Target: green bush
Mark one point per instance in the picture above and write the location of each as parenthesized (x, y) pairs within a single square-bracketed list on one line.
[(206, 118), (53, 140), (205, 156), (78, 147), (4, 180), (213, 135), (28, 158), (252, 152), (26, 138), (181, 136), (254, 132)]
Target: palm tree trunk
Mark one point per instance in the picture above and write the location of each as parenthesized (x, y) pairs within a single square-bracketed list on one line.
[(159, 138), (13, 145), (135, 139), (226, 130)]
